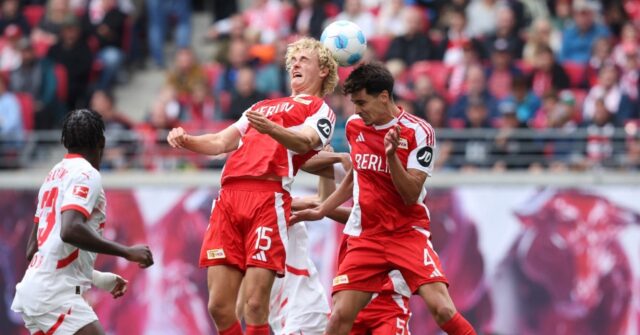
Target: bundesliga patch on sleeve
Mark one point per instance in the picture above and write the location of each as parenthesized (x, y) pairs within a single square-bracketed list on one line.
[(81, 191), (424, 156), (324, 126)]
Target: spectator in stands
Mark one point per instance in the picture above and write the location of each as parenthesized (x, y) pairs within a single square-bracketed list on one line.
[(158, 14), (106, 23), (630, 85), (525, 102), (48, 30), (186, 75), (238, 57), (74, 53), (578, 38), (476, 114), (119, 146), (201, 107), (11, 123), (309, 18), (628, 39), (547, 74), (507, 150), (482, 16), (264, 21), (272, 79), (606, 89), (502, 70), (165, 111), (234, 31), (599, 148), (11, 14), (423, 90), (415, 45), (562, 15), (474, 151), (435, 112), (455, 39), (458, 75), (389, 21), (476, 90), (10, 57), (245, 94), (506, 29), (37, 78), (600, 55), (542, 33), (353, 11)]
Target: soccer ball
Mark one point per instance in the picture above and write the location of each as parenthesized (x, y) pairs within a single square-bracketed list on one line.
[(346, 42)]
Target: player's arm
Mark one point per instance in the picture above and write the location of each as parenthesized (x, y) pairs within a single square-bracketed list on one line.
[(340, 214), (32, 244), (77, 232), (299, 141), (109, 282), (337, 198), (408, 182), (208, 144)]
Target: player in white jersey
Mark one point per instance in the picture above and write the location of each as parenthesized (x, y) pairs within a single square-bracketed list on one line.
[(67, 235)]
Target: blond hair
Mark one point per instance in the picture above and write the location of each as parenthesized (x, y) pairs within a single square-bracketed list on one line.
[(325, 60)]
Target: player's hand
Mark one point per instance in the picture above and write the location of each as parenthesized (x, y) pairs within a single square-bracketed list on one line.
[(311, 214), (120, 288), (260, 122), (177, 138), (391, 141), (298, 204), (140, 254)]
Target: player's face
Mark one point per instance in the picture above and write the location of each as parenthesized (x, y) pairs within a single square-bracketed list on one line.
[(305, 73), (369, 107)]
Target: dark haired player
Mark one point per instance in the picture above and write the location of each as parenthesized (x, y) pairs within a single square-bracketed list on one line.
[(67, 236)]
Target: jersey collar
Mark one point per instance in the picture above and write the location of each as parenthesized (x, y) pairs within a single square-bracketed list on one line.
[(391, 123), (70, 156)]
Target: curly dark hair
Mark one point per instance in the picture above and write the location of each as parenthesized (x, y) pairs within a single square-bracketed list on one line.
[(373, 77), (83, 129)]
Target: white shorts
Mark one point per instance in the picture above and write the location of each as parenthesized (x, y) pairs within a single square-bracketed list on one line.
[(66, 319)]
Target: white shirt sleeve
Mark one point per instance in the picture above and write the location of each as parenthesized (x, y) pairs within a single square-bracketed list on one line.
[(242, 124), (82, 192), (323, 121), (422, 157)]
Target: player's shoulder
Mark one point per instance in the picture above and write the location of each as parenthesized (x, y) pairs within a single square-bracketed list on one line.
[(421, 127), (354, 119), (81, 169)]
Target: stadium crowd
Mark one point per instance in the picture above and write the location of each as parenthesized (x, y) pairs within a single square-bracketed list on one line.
[(561, 67)]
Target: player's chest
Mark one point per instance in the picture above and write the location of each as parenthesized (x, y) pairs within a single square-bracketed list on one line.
[(368, 151), (284, 113)]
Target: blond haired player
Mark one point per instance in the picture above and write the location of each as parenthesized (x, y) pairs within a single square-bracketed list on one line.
[(247, 233), (67, 236)]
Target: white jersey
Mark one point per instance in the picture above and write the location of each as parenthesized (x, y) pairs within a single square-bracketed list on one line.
[(60, 270), (298, 300)]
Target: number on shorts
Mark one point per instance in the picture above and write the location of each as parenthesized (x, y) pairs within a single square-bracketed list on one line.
[(262, 236), (48, 206), (401, 324)]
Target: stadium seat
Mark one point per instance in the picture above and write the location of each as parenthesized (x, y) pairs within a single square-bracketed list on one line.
[(380, 44), (576, 73), (33, 14), (62, 82), (28, 110), (437, 71)]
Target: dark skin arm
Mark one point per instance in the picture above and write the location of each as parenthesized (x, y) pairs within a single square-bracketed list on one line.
[(76, 232), (32, 245)]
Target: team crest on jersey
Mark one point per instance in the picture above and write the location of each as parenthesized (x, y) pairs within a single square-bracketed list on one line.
[(424, 156), (215, 254), (403, 143), (340, 280), (324, 126), (80, 191)]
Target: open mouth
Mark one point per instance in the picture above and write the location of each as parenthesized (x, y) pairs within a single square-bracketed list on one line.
[(297, 75)]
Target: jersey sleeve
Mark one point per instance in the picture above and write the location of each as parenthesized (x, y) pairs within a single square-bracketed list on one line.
[(321, 119), (422, 155), (82, 193)]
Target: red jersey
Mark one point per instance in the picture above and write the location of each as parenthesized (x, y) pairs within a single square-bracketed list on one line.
[(377, 205), (259, 154)]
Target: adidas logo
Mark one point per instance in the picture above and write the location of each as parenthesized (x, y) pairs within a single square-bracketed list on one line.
[(360, 138), (260, 256)]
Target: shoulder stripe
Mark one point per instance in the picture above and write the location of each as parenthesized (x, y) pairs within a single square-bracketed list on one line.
[(426, 127)]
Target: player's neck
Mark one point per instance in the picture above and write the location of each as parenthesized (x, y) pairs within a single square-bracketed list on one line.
[(307, 92), (392, 112)]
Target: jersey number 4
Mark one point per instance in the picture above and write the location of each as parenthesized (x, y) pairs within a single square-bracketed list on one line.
[(48, 210)]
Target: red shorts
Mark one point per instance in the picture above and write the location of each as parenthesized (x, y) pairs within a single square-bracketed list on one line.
[(248, 226), (368, 260), (388, 313)]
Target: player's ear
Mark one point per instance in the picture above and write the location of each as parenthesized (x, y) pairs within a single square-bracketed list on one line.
[(384, 96), (324, 72)]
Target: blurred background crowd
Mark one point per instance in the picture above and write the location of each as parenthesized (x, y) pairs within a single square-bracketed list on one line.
[(508, 84)]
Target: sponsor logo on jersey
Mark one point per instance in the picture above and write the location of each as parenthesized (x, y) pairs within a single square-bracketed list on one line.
[(403, 143), (360, 138), (275, 109), (424, 156), (215, 254), (340, 280), (324, 126), (81, 191), (372, 162)]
